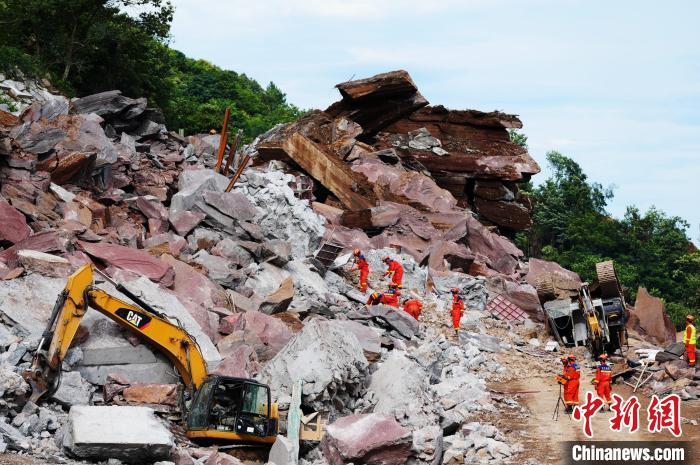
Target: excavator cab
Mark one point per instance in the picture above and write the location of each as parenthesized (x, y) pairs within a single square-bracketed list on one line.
[(232, 409)]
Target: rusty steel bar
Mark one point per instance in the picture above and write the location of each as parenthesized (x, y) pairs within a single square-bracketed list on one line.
[(239, 171), (222, 141), (232, 153)]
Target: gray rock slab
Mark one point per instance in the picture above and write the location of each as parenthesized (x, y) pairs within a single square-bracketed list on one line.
[(131, 434), (484, 342), (157, 373), (73, 390), (396, 319)]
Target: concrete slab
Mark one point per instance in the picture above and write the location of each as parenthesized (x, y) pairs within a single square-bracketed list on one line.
[(131, 434)]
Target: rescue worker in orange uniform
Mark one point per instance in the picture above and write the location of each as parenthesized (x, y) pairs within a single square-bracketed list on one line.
[(362, 266), (395, 270), (603, 380), (572, 375), (374, 298), (391, 297), (689, 339), (457, 308), (413, 307)]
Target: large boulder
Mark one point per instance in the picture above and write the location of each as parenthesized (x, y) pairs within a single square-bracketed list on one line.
[(393, 318), (649, 317), (329, 362), (131, 434), (265, 334), (369, 439), (13, 227)]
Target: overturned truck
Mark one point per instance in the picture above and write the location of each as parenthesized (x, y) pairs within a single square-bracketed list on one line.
[(583, 315)]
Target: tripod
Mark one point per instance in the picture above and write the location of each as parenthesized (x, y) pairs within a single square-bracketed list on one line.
[(560, 402)]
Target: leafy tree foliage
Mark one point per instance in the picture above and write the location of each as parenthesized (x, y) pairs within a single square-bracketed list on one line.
[(89, 46), (650, 249)]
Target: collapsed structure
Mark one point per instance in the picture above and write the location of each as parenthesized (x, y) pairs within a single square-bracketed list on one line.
[(101, 180)]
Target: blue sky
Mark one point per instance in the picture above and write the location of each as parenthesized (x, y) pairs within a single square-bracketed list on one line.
[(614, 85)]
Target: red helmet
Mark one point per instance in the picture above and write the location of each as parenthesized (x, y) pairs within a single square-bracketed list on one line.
[(386, 259), (571, 357), (375, 295), (454, 290), (603, 357), (356, 252)]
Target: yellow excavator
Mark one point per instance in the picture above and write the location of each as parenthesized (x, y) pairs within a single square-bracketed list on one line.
[(216, 409)]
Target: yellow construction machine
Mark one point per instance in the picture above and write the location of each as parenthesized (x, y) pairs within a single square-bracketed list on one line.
[(217, 409)]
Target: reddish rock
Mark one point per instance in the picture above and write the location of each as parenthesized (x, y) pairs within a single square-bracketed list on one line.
[(152, 208), (330, 213), (185, 221), (264, 333), (151, 394), (44, 263), (679, 369), (457, 257), (175, 243), (291, 319), (47, 241), (512, 215), (369, 439), (13, 227), (134, 260), (651, 318), (522, 295), (241, 362), (280, 299), (220, 458), (537, 267), (197, 293), (498, 252)]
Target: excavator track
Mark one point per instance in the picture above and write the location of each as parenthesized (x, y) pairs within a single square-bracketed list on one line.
[(607, 279)]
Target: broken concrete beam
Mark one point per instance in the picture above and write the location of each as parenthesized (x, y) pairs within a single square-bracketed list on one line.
[(131, 434), (44, 263), (368, 439), (13, 227)]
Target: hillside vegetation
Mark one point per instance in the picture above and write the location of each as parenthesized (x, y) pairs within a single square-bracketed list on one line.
[(89, 46), (572, 227)]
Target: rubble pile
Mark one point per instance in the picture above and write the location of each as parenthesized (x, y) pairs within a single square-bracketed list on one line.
[(100, 180)]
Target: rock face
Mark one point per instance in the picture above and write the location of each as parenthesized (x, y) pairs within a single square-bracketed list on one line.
[(650, 317), (14, 227), (327, 359), (130, 434), (265, 334), (372, 439)]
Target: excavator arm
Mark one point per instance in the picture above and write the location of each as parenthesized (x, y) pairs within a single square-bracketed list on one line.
[(151, 326)]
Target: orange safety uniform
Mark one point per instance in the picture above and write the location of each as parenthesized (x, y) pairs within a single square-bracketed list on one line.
[(603, 382), (363, 267), (572, 377), (413, 307), (689, 339), (396, 271), (457, 310), (391, 298), (375, 298)]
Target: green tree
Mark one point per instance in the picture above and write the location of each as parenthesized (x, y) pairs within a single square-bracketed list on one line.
[(572, 227)]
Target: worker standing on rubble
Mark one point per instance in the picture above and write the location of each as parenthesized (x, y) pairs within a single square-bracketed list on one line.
[(362, 266), (457, 309), (603, 380), (689, 339), (413, 307), (395, 270)]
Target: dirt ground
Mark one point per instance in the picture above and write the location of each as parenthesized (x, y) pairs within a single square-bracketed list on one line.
[(541, 436)]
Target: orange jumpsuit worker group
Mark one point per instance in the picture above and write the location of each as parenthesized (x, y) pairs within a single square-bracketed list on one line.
[(413, 307), (689, 339), (395, 270), (361, 265), (570, 379), (457, 308), (603, 380)]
